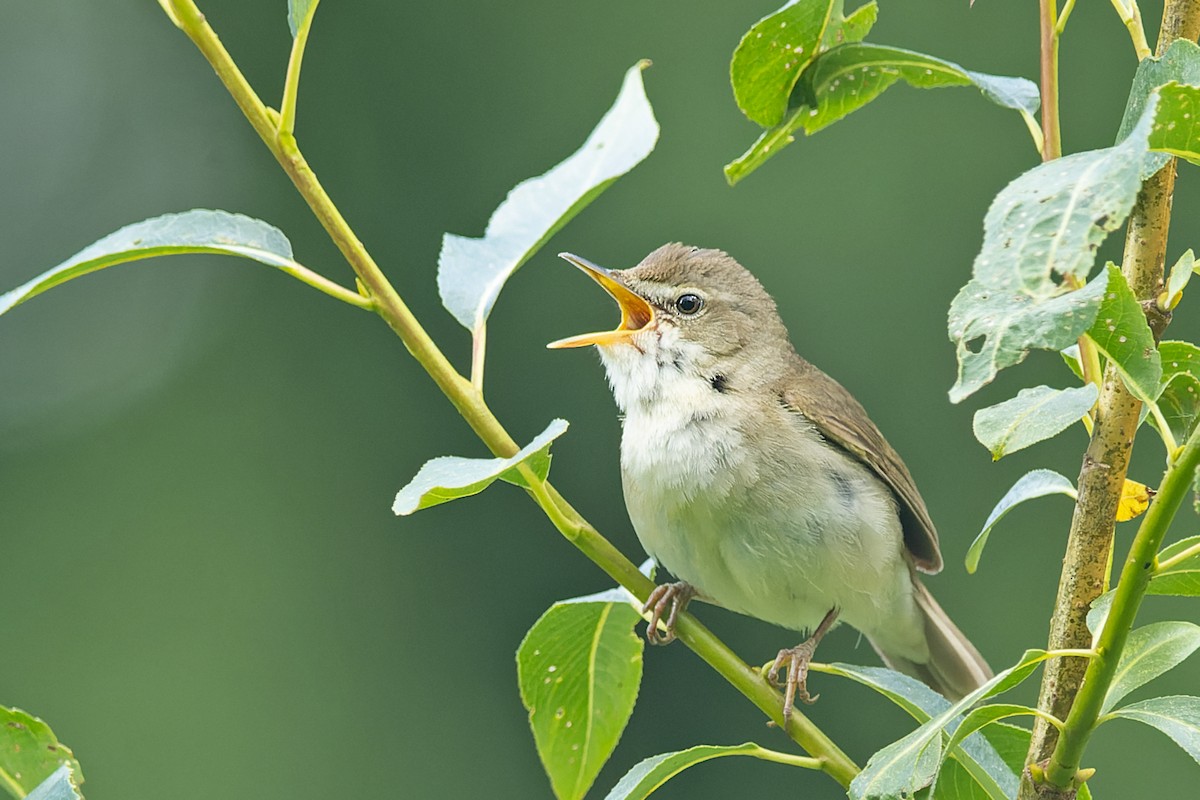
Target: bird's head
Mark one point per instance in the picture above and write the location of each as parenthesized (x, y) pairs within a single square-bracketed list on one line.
[(686, 313)]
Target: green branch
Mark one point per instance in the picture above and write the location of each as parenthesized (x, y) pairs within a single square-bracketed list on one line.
[(468, 400), (1135, 577), (291, 82)]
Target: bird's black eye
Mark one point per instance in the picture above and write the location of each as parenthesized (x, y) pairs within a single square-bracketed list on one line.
[(689, 303)]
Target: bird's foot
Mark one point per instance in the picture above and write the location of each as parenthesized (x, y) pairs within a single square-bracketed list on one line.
[(795, 685), (677, 595)]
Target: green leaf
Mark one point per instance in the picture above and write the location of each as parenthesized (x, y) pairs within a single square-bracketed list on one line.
[(911, 763), (1178, 716), (1149, 652), (1012, 743), (848, 77), (1179, 397), (451, 477), (1182, 577), (579, 668), (57, 787), (297, 10), (1036, 483), (776, 50), (1032, 416), (984, 716), (650, 774), (1176, 127), (1178, 278), (1181, 64), (1122, 335), (976, 757), (1041, 235), (1070, 356), (471, 272), (196, 231), (1098, 613), (30, 753)]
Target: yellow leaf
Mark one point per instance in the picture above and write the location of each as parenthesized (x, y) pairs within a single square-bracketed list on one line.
[(1135, 498)]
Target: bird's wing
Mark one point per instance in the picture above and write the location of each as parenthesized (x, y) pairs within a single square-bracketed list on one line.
[(843, 421)]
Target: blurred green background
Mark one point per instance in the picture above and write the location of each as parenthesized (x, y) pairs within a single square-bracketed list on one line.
[(204, 590)]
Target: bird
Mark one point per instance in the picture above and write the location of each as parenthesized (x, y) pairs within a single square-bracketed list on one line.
[(759, 481)]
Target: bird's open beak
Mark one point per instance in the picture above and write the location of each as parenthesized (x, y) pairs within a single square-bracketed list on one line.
[(636, 313)]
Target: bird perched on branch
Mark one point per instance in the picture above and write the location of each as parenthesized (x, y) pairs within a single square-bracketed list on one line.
[(759, 481)]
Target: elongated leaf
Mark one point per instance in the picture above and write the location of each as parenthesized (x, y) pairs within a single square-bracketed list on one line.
[(910, 763), (1012, 743), (1033, 484), (1149, 652), (57, 787), (1122, 335), (30, 753), (1176, 129), (849, 76), (1098, 613), (984, 716), (297, 10), (1180, 64), (771, 56), (471, 272), (196, 231), (648, 775), (1181, 578), (1178, 716), (579, 668), (1032, 416), (1178, 278), (1043, 227), (1179, 398), (451, 477), (976, 757)]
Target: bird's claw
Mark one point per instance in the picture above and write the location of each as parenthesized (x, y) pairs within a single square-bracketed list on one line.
[(677, 595), (795, 685)]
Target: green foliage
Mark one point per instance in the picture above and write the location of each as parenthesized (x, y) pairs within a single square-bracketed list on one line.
[(31, 754), (1179, 396), (1178, 716), (1034, 415), (849, 76), (774, 53), (471, 272), (1178, 572), (1033, 484), (196, 231), (1123, 337), (975, 761), (650, 774), (297, 11), (57, 787), (450, 477), (911, 763), (1149, 652), (1178, 279), (579, 668)]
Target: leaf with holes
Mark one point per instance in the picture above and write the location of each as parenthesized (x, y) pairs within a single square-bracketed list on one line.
[(30, 753), (1122, 335), (1040, 236), (471, 272), (579, 668), (1031, 485), (1149, 652), (1179, 397), (776, 50), (451, 477), (1034, 415), (1178, 716), (848, 77)]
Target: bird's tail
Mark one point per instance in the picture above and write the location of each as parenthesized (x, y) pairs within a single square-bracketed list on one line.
[(955, 667)]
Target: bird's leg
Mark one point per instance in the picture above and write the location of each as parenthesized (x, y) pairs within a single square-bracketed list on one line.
[(678, 595), (797, 659)]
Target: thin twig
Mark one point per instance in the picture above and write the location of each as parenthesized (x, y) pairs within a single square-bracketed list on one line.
[(470, 404)]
